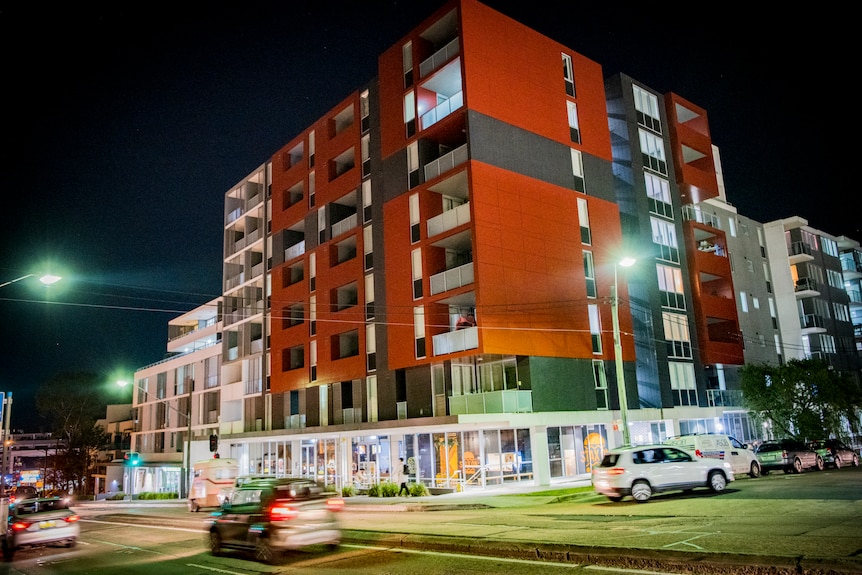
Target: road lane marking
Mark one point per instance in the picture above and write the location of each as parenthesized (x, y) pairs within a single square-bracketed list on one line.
[(482, 557)]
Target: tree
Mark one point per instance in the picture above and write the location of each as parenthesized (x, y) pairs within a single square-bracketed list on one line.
[(805, 399), (73, 403)]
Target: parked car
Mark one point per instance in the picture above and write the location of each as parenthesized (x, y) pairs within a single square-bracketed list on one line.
[(39, 522), (269, 517), (835, 453), (788, 455), (719, 446), (642, 470)]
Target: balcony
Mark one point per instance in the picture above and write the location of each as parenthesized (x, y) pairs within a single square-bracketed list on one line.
[(344, 225), (724, 398), (446, 162), (442, 110), (458, 340), (505, 401), (695, 214), (449, 220), (805, 287), (452, 278), (811, 323), (294, 251), (439, 58), (799, 252)]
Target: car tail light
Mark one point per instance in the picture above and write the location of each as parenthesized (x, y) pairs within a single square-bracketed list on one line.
[(21, 525), (71, 518), (335, 503), (698, 452), (282, 513), (616, 471), (784, 454)]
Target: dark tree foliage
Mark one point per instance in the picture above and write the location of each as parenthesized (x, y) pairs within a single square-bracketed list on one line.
[(73, 403), (805, 399)]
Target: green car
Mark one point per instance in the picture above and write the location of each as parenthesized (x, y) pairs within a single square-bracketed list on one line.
[(835, 453)]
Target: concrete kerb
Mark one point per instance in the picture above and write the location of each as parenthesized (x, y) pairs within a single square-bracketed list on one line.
[(640, 559)]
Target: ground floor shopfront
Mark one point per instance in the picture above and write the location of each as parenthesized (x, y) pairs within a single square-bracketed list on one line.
[(472, 454)]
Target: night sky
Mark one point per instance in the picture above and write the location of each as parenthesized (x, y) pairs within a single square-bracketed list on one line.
[(124, 127)]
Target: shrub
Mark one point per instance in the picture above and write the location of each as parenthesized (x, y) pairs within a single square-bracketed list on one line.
[(348, 491), (119, 496), (374, 490), (384, 489), (418, 490)]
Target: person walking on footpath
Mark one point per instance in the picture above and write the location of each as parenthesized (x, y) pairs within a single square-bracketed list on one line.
[(401, 474)]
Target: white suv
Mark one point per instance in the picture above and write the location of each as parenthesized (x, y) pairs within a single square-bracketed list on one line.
[(742, 459), (642, 470)]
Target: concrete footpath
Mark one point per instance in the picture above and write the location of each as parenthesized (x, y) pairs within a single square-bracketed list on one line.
[(542, 523)]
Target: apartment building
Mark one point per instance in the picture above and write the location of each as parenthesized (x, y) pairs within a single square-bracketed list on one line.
[(851, 266), (176, 405), (440, 263), (813, 300), (430, 271)]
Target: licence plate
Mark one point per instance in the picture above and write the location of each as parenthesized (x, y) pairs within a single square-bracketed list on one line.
[(46, 524)]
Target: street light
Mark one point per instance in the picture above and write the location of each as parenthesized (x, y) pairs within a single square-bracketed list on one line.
[(46, 279), (618, 351), (187, 455)]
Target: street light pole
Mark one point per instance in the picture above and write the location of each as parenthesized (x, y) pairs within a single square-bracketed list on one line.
[(618, 352)]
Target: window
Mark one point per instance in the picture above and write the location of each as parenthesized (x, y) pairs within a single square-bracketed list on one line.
[(595, 327), (312, 360), (652, 152), (646, 105), (311, 189), (682, 383), (601, 381), (658, 192), (671, 286), (584, 221), (590, 274), (568, 75), (413, 164), (311, 149), (578, 171), (371, 347), (366, 200), (368, 247), (574, 129), (410, 113), (364, 109), (664, 238), (677, 335), (366, 156), (369, 297), (294, 358), (407, 63), (416, 265), (743, 301), (415, 232), (345, 344), (312, 315), (419, 331)]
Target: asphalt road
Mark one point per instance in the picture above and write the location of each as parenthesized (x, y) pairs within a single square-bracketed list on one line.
[(807, 523)]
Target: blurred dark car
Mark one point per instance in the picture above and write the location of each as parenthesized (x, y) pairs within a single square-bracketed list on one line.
[(39, 522), (835, 453), (788, 455), (269, 517), (20, 492)]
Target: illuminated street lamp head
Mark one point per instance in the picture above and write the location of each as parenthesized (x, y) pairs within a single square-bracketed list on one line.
[(122, 383), (49, 279), (627, 262)]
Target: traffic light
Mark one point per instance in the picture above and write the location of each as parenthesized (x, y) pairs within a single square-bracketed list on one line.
[(213, 442), (132, 458)]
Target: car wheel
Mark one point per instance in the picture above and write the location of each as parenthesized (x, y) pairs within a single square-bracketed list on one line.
[(263, 551), (754, 472), (837, 462), (71, 543), (797, 466), (641, 491), (819, 463), (855, 461), (193, 506), (717, 481), (216, 547)]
